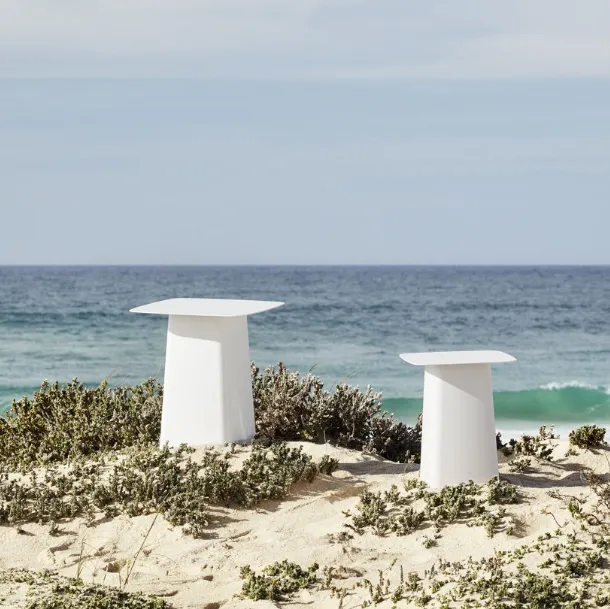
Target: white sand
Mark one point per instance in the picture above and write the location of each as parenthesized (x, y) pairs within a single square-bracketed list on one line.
[(200, 573)]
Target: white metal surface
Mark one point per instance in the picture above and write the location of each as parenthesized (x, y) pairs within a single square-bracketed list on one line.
[(207, 307), (207, 393), (459, 429), (448, 358)]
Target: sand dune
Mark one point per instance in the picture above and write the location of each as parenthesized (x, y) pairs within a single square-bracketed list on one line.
[(303, 528)]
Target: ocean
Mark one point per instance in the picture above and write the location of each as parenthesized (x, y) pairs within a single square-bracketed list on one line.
[(346, 324)]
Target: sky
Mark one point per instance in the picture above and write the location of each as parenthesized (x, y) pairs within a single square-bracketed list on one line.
[(309, 132)]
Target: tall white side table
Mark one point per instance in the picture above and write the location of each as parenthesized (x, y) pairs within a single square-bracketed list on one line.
[(207, 393), (458, 425)]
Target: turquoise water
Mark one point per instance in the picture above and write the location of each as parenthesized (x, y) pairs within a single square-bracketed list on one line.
[(345, 323)]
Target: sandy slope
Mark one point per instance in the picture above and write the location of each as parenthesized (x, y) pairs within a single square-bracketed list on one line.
[(199, 573)]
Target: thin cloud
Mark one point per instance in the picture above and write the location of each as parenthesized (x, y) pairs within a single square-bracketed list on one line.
[(305, 39)]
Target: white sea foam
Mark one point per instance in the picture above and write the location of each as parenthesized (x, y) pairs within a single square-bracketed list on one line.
[(555, 385)]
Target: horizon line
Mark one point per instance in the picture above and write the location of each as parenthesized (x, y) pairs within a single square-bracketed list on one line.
[(306, 265)]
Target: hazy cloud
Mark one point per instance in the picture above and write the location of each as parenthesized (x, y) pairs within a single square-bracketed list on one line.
[(305, 39)]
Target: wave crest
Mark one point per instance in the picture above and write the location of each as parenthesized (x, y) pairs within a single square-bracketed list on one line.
[(572, 402), (555, 385)]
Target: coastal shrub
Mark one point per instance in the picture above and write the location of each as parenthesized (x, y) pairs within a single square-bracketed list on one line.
[(278, 581), (520, 464), (540, 446), (501, 492), (155, 480), (289, 406), (588, 437), (71, 421), (48, 590), (393, 512), (328, 465)]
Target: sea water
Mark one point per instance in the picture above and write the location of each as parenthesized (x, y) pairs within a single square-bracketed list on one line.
[(345, 324)]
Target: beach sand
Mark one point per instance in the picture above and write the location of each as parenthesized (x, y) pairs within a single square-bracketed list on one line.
[(200, 573)]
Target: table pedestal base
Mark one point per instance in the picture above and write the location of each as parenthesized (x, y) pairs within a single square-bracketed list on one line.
[(459, 430), (207, 395)]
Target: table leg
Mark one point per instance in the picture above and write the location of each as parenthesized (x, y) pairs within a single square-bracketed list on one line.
[(207, 395), (459, 430)]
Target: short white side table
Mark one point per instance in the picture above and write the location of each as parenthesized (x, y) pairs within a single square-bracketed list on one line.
[(207, 393), (459, 428)]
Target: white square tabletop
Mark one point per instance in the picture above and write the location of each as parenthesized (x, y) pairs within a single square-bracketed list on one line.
[(207, 307)]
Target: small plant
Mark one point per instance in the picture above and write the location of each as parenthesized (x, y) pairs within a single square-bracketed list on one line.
[(490, 521), (588, 437), (132, 563), (501, 492), (54, 530), (505, 447), (328, 465), (540, 446), (278, 581), (520, 464), (372, 513)]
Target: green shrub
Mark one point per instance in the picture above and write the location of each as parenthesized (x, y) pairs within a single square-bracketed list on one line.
[(500, 492), (50, 591), (540, 446), (520, 464), (392, 511), (289, 406), (278, 582), (89, 428), (151, 480), (71, 421), (328, 465), (588, 437)]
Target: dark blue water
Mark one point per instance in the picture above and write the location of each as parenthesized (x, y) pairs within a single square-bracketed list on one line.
[(345, 323)]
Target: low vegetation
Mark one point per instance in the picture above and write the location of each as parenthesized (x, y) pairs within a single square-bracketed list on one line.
[(153, 480), (278, 581), (558, 571), (540, 446), (401, 514), (71, 451), (563, 569), (289, 406), (50, 591), (588, 437), (71, 421), (109, 436)]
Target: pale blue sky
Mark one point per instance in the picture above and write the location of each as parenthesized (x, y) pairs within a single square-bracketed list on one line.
[(311, 132)]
